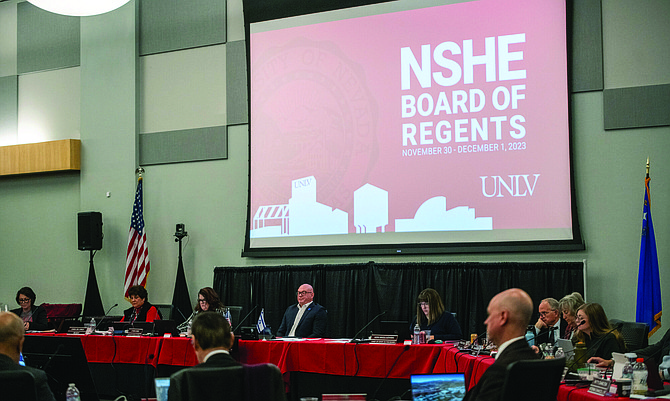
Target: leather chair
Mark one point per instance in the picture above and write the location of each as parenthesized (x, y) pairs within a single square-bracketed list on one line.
[(165, 310), (635, 335), (533, 380), (261, 382), (16, 385)]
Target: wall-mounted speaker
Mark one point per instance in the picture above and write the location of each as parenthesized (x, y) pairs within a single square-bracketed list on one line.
[(90, 231)]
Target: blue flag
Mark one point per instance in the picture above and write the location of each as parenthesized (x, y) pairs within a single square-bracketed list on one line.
[(261, 326), (648, 281)]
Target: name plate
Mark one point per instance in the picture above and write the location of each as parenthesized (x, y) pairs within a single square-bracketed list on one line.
[(79, 331), (384, 338), (135, 332), (600, 386)]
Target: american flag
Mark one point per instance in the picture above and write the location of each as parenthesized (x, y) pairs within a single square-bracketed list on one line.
[(137, 259)]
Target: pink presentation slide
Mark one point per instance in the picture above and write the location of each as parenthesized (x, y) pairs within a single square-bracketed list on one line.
[(439, 119)]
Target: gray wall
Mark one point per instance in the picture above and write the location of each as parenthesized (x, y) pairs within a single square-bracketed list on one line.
[(121, 100)]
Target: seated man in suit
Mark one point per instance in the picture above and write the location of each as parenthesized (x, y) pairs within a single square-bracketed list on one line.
[(306, 319), (550, 326), (11, 345), (212, 340), (509, 313)]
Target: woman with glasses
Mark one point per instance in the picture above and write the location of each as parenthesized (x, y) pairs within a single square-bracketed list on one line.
[(34, 317), (595, 331), (431, 316), (208, 300)]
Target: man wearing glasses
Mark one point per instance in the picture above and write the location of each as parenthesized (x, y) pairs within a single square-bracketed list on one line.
[(305, 319), (550, 326)]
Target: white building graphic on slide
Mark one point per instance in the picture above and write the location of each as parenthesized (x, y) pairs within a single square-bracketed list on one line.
[(305, 216)]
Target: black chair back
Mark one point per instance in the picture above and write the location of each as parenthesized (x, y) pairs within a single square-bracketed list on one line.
[(635, 335), (533, 380), (165, 311), (18, 385)]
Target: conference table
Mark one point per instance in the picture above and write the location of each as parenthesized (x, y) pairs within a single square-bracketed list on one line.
[(325, 358)]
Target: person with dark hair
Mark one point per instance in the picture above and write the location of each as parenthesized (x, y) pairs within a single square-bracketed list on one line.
[(34, 317), (509, 313), (11, 344), (208, 300), (431, 316), (141, 310), (212, 340), (595, 331), (306, 318)]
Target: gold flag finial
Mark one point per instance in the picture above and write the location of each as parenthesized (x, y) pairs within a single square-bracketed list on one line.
[(647, 166)]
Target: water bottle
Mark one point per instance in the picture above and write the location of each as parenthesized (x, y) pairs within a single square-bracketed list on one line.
[(559, 353), (530, 335), (639, 377), (90, 327), (627, 370), (417, 330), (72, 394)]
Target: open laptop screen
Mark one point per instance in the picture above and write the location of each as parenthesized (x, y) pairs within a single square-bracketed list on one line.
[(438, 387)]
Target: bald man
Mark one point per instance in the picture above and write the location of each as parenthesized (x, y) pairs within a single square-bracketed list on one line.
[(11, 345), (508, 316), (306, 319)]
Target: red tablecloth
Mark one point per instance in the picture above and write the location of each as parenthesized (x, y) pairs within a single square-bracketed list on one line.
[(473, 367)]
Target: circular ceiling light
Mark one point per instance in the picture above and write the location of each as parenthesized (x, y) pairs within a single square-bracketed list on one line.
[(79, 8)]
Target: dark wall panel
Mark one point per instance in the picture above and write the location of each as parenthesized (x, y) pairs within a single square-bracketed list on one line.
[(236, 83), (168, 25), (187, 145), (586, 40), (46, 41), (636, 107)]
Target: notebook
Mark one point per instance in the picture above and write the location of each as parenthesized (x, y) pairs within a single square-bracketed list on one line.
[(162, 386), (400, 328), (438, 387)]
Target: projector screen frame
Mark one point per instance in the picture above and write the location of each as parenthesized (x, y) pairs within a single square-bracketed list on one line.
[(288, 8)]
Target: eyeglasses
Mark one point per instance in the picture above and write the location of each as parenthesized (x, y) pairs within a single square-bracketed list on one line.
[(546, 313), (24, 300), (423, 304), (304, 292), (202, 300)]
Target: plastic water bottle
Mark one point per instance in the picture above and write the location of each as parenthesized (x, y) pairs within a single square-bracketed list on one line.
[(90, 327), (530, 335), (72, 394), (627, 369), (559, 353), (639, 377), (417, 330)]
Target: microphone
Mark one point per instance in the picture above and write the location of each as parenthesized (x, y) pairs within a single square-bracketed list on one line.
[(103, 318), (245, 318), (353, 340), (596, 343)]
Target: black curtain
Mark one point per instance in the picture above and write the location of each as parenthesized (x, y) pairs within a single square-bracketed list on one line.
[(356, 293)]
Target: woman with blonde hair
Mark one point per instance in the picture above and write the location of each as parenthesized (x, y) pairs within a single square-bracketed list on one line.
[(431, 316), (568, 306)]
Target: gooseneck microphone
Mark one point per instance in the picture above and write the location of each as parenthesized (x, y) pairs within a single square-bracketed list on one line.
[(245, 318), (353, 340), (103, 318)]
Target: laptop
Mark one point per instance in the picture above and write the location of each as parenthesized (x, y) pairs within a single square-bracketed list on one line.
[(399, 328), (438, 387), (162, 386)]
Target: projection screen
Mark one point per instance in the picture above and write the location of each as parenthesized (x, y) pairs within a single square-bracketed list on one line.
[(389, 128)]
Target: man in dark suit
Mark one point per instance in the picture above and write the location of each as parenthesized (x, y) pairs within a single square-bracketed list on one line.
[(509, 313), (212, 340), (306, 318), (11, 345), (550, 326)]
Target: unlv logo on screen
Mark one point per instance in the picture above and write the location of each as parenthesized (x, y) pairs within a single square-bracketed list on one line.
[(513, 185)]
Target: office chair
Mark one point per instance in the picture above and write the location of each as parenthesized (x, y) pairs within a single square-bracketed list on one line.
[(165, 311), (262, 382), (16, 385), (635, 335), (533, 380)]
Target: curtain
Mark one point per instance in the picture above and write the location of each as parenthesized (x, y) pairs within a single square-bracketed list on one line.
[(354, 294)]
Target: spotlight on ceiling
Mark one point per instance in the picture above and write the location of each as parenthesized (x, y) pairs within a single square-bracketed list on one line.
[(79, 8)]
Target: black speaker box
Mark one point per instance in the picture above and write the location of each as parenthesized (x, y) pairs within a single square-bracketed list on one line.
[(90, 231)]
